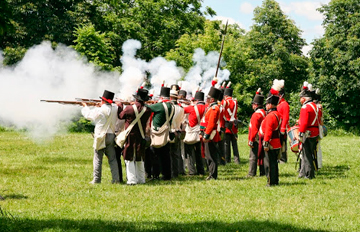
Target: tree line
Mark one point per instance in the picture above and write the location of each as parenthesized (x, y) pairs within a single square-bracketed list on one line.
[(173, 29)]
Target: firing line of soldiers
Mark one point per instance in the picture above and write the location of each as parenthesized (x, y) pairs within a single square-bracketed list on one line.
[(166, 136)]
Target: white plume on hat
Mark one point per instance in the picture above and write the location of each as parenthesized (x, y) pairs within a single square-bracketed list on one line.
[(310, 87), (282, 84), (317, 91), (277, 84), (305, 85)]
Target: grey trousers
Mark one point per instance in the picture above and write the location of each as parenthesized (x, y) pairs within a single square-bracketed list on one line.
[(307, 169), (231, 139), (109, 151), (193, 153)]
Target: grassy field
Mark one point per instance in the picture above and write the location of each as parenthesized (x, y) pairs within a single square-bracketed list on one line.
[(46, 188)]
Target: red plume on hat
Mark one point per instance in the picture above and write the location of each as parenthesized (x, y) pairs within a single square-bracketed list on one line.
[(214, 81), (162, 85), (223, 85), (258, 91), (142, 85), (228, 85)]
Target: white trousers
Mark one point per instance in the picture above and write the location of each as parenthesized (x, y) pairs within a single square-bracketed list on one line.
[(135, 172)]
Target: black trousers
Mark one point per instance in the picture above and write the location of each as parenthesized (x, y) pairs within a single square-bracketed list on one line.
[(211, 156), (307, 168), (165, 161), (152, 163), (221, 147), (118, 151), (253, 161), (231, 139), (195, 161), (175, 155), (271, 166), (283, 141)]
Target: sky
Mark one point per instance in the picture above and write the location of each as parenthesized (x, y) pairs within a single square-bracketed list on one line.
[(302, 12)]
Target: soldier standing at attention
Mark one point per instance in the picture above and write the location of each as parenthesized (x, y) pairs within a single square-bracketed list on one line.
[(270, 130), (284, 111), (230, 116), (308, 131), (211, 134), (253, 139)]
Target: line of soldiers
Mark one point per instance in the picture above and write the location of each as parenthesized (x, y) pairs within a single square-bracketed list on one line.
[(267, 132), (174, 133)]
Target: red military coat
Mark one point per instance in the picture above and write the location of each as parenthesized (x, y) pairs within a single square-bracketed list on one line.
[(230, 113), (192, 114), (211, 121), (268, 129), (309, 119), (255, 122), (284, 110)]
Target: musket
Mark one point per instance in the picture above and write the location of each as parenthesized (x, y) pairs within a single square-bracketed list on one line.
[(221, 50), (115, 101), (91, 103)]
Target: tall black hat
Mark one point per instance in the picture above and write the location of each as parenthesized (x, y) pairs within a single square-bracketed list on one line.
[(222, 89), (142, 94), (306, 90), (228, 91), (165, 91), (199, 96), (182, 93), (272, 99), (214, 93), (259, 98), (108, 96)]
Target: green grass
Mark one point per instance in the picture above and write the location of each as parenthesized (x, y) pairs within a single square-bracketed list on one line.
[(46, 188)]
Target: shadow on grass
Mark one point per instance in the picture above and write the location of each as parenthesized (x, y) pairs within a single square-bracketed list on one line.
[(9, 225), (332, 172), (14, 196)]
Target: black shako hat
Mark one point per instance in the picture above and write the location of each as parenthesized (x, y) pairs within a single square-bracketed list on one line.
[(182, 93), (306, 90), (214, 93), (165, 91), (228, 91), (142, 94), (108, 96), (259, 98), (199, 96), (272, 99)]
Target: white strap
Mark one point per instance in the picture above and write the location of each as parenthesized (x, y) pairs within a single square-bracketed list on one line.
[(138, 116), (260, 111), (166, 113), (197, 114), (316, 114), (138, 121)]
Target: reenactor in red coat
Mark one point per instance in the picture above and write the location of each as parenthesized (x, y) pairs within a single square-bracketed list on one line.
[(230, 116), (270, 131), (253, 139), (308, 131), (284, 111), (193, 148), (211, 134)]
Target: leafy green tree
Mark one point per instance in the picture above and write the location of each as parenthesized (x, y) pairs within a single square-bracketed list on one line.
[(95, 46), (5, 17), (271, 50), (336, 63)]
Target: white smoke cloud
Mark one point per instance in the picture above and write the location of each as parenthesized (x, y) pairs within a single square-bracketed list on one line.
[(1, 59), (62, 74), (45, 73), (204, 71)]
